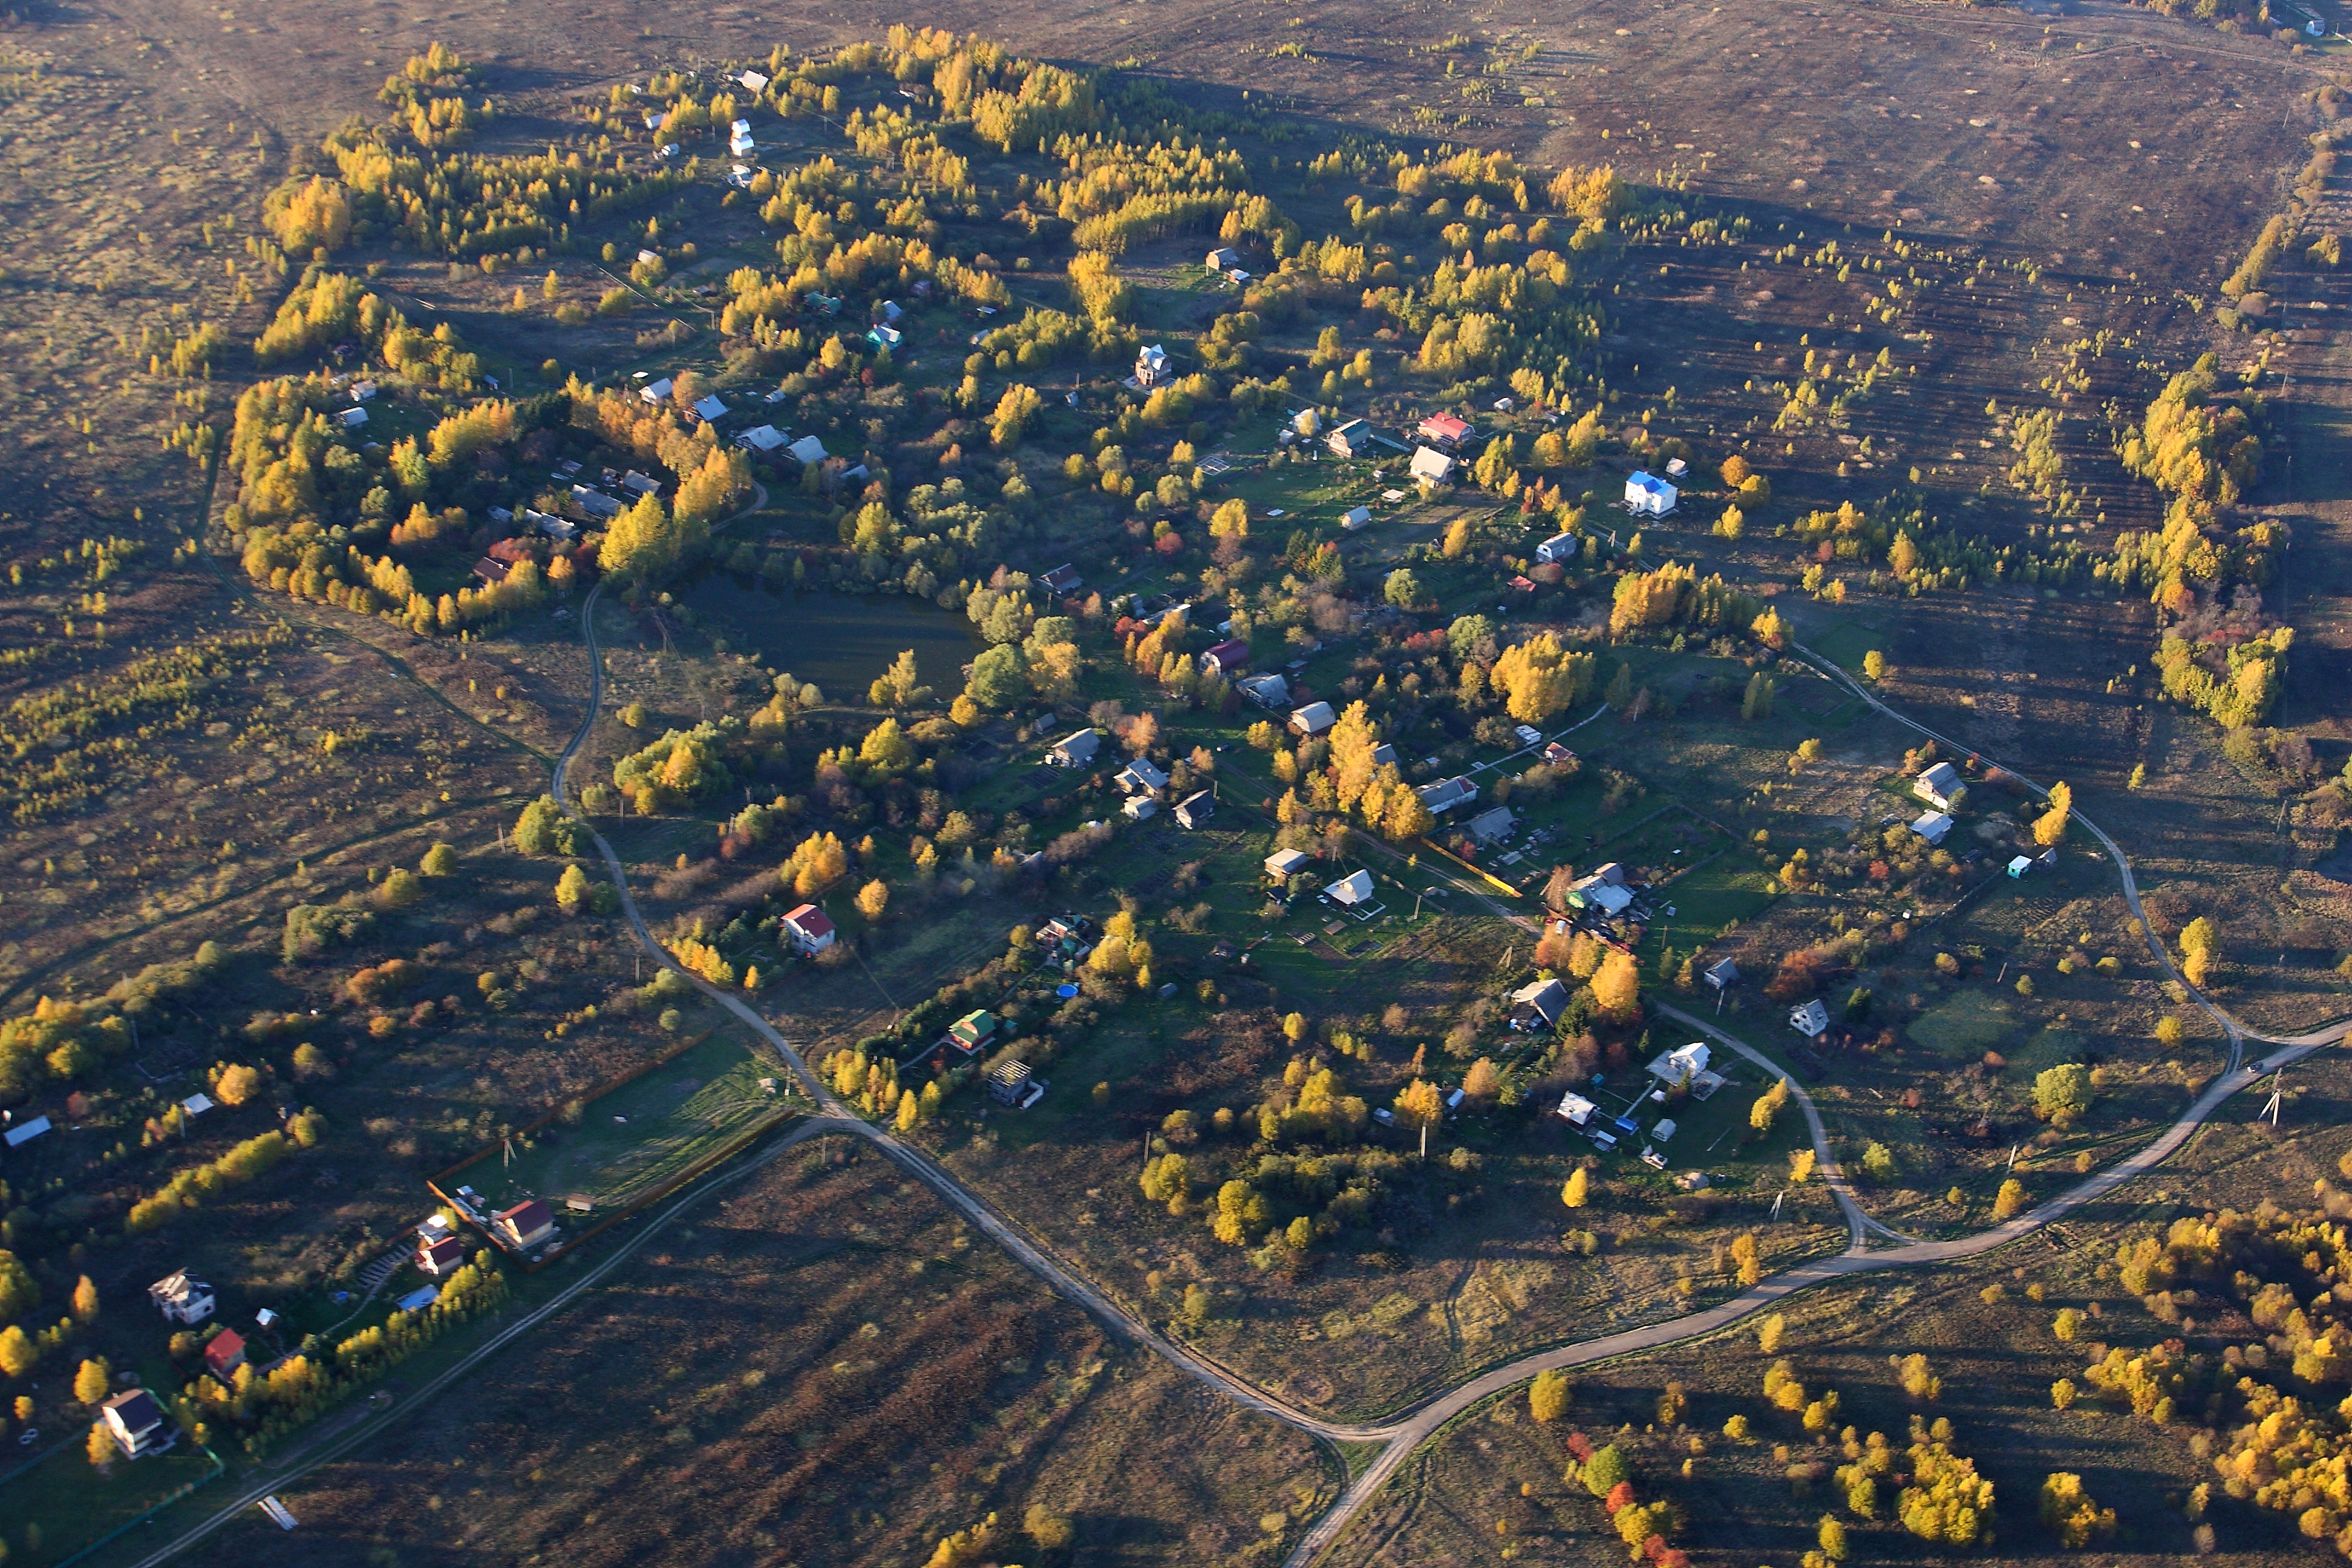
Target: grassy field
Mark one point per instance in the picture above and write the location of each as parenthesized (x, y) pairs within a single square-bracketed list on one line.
[(623, 1146), (819, 1365), (62, 1506)]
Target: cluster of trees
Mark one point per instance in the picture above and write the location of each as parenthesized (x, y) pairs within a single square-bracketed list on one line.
[(1608, 1475), (239, 1165)]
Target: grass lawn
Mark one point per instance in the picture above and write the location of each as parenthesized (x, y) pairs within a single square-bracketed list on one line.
[(72, 1504), (627, 1143)]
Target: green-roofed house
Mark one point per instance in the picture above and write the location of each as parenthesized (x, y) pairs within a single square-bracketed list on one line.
[(973, 1030)]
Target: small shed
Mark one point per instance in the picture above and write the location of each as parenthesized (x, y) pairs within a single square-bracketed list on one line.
[(1356, 516), (2021, 865), (1663, 1131), (1809, 1019), (1559, 547), (1932, 826), (1577, 1110), (1723, 974)]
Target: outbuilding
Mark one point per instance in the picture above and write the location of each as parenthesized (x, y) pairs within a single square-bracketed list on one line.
[(1932, 826), (1558, 548)]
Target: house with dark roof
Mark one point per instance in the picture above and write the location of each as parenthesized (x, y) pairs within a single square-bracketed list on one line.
[(136, 1423), (525, 1225), (440, 1257), (1228, 658)]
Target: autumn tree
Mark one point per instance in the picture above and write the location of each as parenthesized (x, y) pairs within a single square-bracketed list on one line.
[(2068, 1512), (441, 860), (1015, 411), (2197, 939), (1767, 1106), (1417, 1109), (236, 1084), (1577, 1191), (1539, 678), (1548, 1397), (872, 898), (1617, 987), (2010, 1201), (1482, 1082), (2050, 826), (572, 889), (901, 686), (1801, 1166), (85, 1300), (1744, 1259), (92, 1380)]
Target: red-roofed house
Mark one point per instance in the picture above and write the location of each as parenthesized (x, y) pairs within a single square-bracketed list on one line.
[(1446, 430), (226, 1354), (491, 571), (513, 551), (525, 1225), (809, 929), (1228, 658)]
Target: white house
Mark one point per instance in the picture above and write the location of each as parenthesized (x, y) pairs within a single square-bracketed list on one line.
[(761, 438), (1074, 751), (739, 141), (1313, 718), (1937, 786), (657, 391), (1809, 1019), (1141, 807), (1576, 1109), (1356, 516), (1431, 464), (1682, 1064), (1932, 826), (1559, 547), (136, 1423), (182, 1298), (1646, 494), (354, 417), (1355, 888), (809, 929), (808, 451), (1223, 258), (361, 391), (1151, 367), (1284, 864), (1723, 974), (754, 80)]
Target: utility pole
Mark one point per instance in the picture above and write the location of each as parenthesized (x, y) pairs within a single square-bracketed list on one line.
[(2278, 1092)]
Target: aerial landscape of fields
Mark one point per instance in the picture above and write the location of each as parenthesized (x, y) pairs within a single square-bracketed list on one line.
[(1176, 784)]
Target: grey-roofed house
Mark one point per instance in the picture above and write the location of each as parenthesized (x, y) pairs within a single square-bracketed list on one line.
[(1538, 1004), (1937, 786), (1074, 751)]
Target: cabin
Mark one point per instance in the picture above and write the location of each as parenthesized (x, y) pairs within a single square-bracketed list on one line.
[(712, 408), (1431, 465), (1076, 750), (1313, 719), (1682, 1064), (1938, 786), (1270, 690), (223, 1353), (1492, 825), (1196, 809), (808, 451), (1932, 826), (1723, 974), (1538, 1005), (1062, 579), (440, 1258), (1646, 494), (1141, 809), (1809, 1019), (1355, 888), (1355, 518), (525, 1225), (1141, 777), (762, 439), (1284, 864), (809, 929), (1446, 794), (657, 391), (1223, 258), (1350, 439), (1152, 368), (1576, 1109), (974, 1030)]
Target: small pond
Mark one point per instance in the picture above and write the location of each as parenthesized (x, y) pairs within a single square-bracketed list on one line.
[(840, 641)]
